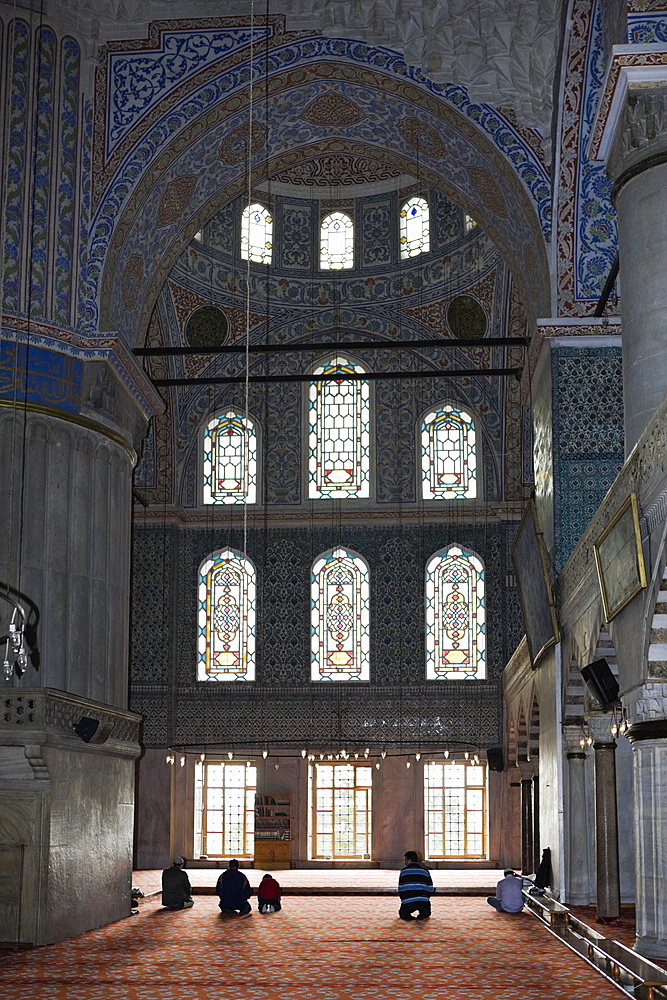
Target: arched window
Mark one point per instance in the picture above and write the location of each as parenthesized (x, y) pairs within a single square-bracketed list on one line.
[(336, 242), (226, 618), (414, 225), (256, 234), (230, 460), (338, 432), (339, 617), (449, 455), (455, 616)]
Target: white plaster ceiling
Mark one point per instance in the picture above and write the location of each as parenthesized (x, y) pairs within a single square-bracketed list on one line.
[(504, 51)]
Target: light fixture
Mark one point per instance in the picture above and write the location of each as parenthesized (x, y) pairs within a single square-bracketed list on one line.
[(383, 754), (407, 763), (446, 754), (303, 753), (276, 766), (623, 725), (182, 761), (230, 754), (202, 757), (418, 756), (265, 754), (377, 767), (467, 755)]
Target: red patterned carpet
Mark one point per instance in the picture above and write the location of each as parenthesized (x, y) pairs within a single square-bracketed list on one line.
[(317, 948)]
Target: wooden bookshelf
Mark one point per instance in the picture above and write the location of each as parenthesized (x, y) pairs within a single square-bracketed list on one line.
[(273, 830)]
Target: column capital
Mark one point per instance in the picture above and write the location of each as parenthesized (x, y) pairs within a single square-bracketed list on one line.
[(647, 703), (641, 135)]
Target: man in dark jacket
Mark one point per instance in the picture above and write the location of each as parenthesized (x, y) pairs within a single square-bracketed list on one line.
[(415, 887), (234, 891), (176, 888)]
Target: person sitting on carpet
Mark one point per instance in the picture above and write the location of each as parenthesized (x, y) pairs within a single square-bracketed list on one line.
[(268, 894), (415, 887), (176, 888), (508, 897), (234, 891)]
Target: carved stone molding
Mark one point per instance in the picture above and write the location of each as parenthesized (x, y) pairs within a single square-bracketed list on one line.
[(641, 135), (40, 715)]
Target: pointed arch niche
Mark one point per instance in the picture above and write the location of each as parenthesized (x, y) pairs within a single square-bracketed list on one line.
[(226, 618), (340, 617), (455, 616)]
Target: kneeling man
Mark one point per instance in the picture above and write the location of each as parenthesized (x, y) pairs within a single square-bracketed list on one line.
[(508, 897)]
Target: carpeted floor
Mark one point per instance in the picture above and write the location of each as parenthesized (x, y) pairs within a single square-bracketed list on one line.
[(368, 880), (345, 948)]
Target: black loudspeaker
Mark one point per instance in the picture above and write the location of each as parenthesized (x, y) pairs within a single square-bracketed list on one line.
[(92, 730), (494, 756), (601, 682)]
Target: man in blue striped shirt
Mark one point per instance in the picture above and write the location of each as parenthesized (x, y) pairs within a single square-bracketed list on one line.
[(415, 887)]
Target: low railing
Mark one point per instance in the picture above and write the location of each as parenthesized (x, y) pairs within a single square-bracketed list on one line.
[(633, 973)]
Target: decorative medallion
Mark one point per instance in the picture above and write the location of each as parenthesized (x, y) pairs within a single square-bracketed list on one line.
[(207, 327), (132, 276), (466, 319), (424, 138), (175, 199), (488, 191), (333, 109), (234, 147)]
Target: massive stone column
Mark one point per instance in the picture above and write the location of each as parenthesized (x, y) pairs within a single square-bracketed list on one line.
[(648, 736), (72, 418), (637, 165), (578, 890), (606, 833)]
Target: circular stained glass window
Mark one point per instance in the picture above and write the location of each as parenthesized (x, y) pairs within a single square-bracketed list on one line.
[(207, 327), (466, 318)]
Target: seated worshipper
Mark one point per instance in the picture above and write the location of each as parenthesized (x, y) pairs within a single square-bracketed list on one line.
[(508, 897), (176, 888), (268, 894), (415, 887), (234, 891)]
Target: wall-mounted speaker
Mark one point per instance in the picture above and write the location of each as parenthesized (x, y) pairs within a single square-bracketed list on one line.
[(494, 756), (601, 682), (92, 730)]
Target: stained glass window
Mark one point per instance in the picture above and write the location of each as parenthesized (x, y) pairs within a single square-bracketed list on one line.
[(455, 810), (339, 433), (256, 234), (414, 228), (226, 618), (455, 616), (337, 242), (230, 460), (469, 223), (449, 455), (225, 819), (341, 810), (339, 617)]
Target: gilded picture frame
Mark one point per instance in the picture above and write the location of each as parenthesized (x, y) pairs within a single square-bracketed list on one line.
[(619, 559), (531, 570)]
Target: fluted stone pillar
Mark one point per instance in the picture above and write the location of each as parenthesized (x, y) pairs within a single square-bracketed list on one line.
[(637, 165), (71, 423), (649, 745), (608, 891), (67, 485)]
